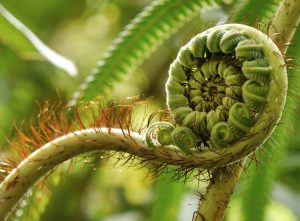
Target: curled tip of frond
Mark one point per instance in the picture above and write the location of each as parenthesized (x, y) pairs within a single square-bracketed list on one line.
[(220, 93)]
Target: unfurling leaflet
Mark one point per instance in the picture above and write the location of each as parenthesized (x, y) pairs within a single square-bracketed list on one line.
[(221, 90)]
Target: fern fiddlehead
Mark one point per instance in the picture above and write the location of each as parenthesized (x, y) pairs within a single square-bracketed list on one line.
[(226, 91), (227, 87), (237, 64)]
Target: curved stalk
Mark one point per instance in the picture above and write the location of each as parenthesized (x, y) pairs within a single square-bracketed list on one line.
[(50, 155), (43, 160)]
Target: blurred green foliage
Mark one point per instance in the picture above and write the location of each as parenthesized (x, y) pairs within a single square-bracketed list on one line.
[(82, 30)]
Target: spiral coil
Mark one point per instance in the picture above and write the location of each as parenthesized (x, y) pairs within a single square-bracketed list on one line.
[(218, 88)]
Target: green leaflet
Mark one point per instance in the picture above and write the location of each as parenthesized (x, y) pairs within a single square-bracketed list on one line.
[(167, 198), (139, 39), (259, 183), (258, 188), (248, 11)]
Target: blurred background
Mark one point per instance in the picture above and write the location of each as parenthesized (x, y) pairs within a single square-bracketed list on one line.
[(94, 189)]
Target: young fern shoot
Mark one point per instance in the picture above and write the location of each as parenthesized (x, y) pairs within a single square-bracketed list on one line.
[(226, 91), (220, 93)]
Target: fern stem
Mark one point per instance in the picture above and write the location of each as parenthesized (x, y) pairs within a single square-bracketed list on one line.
[(219, 192), (47, 157), (285, 23)]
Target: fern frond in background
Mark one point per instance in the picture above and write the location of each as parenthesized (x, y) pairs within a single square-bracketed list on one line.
[(167, 198), (141, 37), (247, 11)]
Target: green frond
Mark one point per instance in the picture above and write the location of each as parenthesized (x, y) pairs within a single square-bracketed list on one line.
[(249, 12), (167, 198), (259, 183), (141, 37)]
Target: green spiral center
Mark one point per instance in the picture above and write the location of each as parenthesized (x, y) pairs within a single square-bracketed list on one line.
[(226, 92), (220, 76)]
